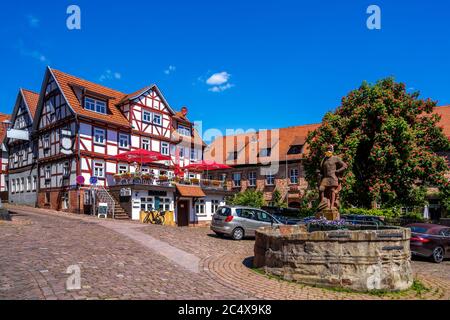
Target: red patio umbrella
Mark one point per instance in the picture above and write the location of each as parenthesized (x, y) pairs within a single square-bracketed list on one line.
[(207, 166), (141, 156)]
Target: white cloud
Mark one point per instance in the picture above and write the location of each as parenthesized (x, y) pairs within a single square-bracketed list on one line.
[(218, 79), (219, 82), (33, 21), (221, 88), (110, 75), (170, 69)]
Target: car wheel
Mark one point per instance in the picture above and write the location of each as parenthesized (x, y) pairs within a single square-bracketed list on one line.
[(438, 254), (238, 234)]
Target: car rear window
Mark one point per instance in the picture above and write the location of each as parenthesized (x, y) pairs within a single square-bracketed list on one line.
[(418, 229), (224, 211)]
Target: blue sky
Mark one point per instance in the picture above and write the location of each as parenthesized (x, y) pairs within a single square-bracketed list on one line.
[(276, 63)]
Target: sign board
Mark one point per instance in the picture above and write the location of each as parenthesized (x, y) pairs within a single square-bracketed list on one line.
[(80, 180), (125, 192), (66, 142), (18, 134), (102, 210), (93, 180), (157, 193)]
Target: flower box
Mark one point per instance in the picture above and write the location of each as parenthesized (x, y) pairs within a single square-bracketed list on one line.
[(163, 178)]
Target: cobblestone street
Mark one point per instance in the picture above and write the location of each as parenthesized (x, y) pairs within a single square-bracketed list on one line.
[(127, 260)]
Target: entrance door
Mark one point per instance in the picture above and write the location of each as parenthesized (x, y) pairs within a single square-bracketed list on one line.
[(183, 213)]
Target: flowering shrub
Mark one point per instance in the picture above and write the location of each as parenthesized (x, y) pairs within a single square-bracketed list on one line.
[(389, 138)]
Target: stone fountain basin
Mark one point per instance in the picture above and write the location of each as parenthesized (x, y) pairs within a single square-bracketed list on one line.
[(359, 260)]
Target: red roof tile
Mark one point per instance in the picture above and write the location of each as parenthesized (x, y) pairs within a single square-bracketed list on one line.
[(190, 191), (31, 99), (3, 117), (67, 82), (444, 112)]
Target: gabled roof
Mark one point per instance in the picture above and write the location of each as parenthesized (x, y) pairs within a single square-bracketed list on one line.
[(249, 145), (31, 100), (67, 83), (190, 191)]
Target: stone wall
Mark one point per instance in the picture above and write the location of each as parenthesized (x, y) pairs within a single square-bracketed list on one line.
[(357, 260)]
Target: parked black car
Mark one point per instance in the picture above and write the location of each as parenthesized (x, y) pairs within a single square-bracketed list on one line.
[(364, 220), (287, 212), (430, 241)]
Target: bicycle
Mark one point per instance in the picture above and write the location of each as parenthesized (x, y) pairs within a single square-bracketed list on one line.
[(155, 217)]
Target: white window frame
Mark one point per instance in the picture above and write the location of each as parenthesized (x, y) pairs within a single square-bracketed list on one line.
[(28, 187), (184, 131), (34, 186), (147, 203), (65, 170), (234, 177), (123, 168), (46, 142), (294, 175), (98, 169), (22, 184), (147, 116), (95, 105), (13, 186), (270, 180), (124, 141), (159, 117), (200, 207), (252, 179), (215, 204), (165, 148), (146, 142), (99, 136), (193, 154), (48, 172)]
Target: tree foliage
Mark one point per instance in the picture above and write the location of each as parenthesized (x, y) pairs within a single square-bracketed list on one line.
[(389, 139), (250, 198)]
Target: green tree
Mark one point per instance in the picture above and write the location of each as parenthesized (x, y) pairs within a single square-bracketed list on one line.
[(278, 200), (389, 138), (251, 198)]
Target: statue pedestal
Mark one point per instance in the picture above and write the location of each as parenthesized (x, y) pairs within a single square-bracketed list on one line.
[(329, 214)]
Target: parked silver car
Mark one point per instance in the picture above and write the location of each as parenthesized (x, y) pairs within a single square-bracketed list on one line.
[(239, 222)]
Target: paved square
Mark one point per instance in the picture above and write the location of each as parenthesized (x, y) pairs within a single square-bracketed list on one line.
[(127, 260)]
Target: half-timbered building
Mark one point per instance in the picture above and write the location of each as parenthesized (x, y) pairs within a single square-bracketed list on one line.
[(80, 126), (4, 122), (22, 165)]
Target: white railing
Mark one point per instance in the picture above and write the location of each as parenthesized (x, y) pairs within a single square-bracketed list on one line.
[(103, 196)]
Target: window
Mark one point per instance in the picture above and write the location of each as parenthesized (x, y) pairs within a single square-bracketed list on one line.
[(95, 105), (147, 116), (22, 184), (123, 168), (193, 154), (294, 176), (165, 148), (215, 205), (34, 183), (200, 207), (28, 184), (48, 172), (246, 214), (236, 180), (263, 216), (13, 186), (296, 149), (46, 142), (252, 179), (124, 141), (181, 152), (164, 204), (146, 144), (65, 201), (66, 169), (184, 131), (265, 152), (147, 204), (157, 119), (99, 136), (99, 169), (270, 180)]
